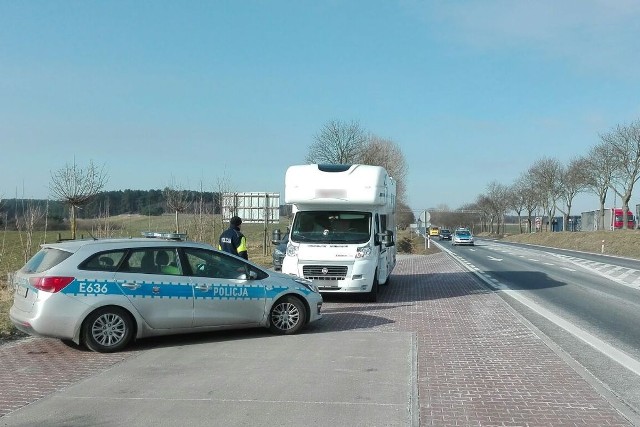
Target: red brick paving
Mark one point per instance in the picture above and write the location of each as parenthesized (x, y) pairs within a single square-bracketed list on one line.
[(35, 367), (478, 365)]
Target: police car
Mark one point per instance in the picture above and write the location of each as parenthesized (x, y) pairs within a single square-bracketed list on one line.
[(105, 293)]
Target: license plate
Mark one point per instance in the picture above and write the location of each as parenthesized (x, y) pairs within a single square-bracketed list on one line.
[(22, 291)]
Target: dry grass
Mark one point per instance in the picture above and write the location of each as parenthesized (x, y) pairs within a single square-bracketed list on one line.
[(625, 243), (6, 328)]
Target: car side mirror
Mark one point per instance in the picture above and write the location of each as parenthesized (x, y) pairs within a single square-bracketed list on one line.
[(387, 238)]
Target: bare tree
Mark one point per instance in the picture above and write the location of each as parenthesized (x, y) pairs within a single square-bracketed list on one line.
[(495, 203), (178, 200), (531, 197), (203, 219), (31, 215), (546, 174), (4, 218), (338, 142), (516, 200), (624, 143), (404, 216), (386, 153), (599, 166), (573, 180), (76, 186), (223, 185)]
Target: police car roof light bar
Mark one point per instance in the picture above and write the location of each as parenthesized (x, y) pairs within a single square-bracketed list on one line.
[(167, 236)]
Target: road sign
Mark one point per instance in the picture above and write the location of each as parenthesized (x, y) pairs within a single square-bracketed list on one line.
[(425, 217)]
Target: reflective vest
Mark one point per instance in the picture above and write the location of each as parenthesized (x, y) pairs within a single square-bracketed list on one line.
[(234, 242)]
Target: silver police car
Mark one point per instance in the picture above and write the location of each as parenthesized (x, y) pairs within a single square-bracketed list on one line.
[(104, 293)]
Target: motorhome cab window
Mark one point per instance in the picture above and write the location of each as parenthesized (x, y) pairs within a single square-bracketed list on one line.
[(334, 226)]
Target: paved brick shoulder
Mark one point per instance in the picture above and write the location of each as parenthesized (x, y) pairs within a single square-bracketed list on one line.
[(36, 367)]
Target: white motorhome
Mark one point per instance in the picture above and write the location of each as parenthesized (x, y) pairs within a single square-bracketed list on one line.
[(342, 233)]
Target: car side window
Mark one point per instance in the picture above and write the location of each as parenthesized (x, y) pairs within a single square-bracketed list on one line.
[(103, 261), (154, 261), (217, 265)]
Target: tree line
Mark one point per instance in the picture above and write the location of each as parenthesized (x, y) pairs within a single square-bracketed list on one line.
[(102, 205)]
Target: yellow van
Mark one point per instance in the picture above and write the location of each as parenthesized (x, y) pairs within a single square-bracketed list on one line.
[(434, 231)]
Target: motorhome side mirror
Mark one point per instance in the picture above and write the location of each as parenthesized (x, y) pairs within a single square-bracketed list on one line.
[(276, 236), (387, 238)]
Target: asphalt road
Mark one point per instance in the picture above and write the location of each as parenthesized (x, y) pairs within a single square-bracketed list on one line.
[(589, 305)]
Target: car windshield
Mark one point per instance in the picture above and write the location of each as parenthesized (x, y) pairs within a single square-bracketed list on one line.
[(331, 226)]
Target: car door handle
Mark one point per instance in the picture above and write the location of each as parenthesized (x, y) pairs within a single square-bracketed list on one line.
[(132, 286), (203, 288)]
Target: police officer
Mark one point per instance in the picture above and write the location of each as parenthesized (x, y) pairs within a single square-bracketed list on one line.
[(232, 240)]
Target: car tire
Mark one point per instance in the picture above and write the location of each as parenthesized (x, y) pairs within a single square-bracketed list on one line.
[(107, 330), (287, 316)]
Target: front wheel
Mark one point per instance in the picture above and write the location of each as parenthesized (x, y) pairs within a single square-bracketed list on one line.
[(288, 315), (107, 330)]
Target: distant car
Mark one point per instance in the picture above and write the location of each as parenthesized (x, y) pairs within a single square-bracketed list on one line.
[(279, 253), (462, 236), (434, 231), (105, 293), (445, 234)]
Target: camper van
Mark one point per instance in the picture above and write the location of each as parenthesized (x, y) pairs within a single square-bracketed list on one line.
[(342, 236)]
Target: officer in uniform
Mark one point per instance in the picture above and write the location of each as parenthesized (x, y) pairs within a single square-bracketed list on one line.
[(232, 240)]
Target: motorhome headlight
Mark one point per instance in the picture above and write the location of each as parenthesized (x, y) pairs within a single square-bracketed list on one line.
[(363, 251), (292, 250), (307, 284)]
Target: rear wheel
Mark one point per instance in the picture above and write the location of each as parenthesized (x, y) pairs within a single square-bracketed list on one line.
[(107, 330), (287, 316)]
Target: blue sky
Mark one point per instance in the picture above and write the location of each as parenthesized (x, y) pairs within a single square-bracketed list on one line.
[(200, 92)]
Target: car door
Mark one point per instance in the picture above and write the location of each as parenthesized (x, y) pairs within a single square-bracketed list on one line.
[(152, 280), (224, 292)]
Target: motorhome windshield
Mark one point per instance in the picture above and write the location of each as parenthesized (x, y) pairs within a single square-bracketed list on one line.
[(331, 227)]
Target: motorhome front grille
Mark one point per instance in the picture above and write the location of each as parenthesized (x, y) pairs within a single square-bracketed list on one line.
[(324, 272)]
